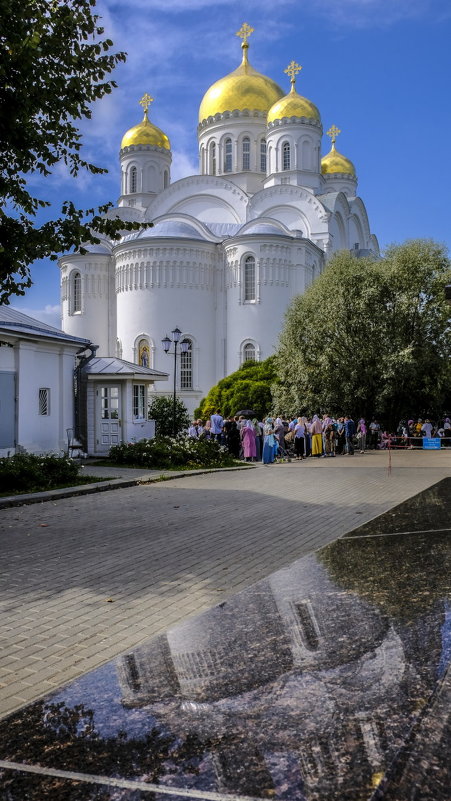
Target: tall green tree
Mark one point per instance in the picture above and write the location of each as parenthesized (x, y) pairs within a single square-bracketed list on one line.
[(247, 388), (54, 64), (370, 336)]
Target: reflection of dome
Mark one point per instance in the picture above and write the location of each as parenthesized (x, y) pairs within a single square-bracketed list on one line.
[(145, 133), (334, 162), (244, 88), (293, 105)]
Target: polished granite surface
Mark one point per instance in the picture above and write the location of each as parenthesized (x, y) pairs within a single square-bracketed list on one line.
[(328, 681)]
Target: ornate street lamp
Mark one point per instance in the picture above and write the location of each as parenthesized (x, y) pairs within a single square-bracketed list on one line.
[(184, 347)]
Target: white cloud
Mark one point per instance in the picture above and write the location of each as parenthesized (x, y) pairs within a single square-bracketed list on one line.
[(49, 314), (182, 166)]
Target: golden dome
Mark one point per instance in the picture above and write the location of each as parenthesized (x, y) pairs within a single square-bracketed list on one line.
[(145, 133), (244, 88), (293, 105), (335, 162)]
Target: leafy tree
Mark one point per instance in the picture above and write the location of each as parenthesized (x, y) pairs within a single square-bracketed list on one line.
[(161, 409), (53, 66), (247, 388), (370, 336)]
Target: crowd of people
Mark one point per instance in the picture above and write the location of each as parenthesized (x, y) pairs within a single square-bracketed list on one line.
[(275, 439)]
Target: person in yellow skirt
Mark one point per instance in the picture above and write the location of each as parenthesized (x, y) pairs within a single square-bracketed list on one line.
[(316, 430)]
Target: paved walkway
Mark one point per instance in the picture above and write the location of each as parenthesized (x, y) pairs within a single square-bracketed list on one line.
[(85, 578)]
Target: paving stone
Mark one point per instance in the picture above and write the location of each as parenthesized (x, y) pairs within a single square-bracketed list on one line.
[(161, 564)]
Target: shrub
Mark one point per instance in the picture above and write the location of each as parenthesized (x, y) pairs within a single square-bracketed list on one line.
[(28, 472), (168, 453), (247, 388), (161, 409)]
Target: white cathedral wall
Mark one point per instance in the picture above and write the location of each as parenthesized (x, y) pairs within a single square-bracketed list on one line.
[(160, 287), (96, 319)]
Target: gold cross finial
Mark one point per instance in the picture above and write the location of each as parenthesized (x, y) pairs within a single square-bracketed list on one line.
[(292, 70), (145, 102), (244, 32), (333, 132)]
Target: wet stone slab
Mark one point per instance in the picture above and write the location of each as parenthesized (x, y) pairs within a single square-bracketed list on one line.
[(328, 681)]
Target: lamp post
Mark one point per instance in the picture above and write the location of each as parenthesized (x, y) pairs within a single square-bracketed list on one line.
[(184, 346)]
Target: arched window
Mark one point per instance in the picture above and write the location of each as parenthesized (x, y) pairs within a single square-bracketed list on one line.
[(186, 365), (249, 278), (133, 179), (228, 155), (143, 353), (263, 155), (249, 354), (286, 156), (246, 153), (165, 179), (76, 293), (213, 159)]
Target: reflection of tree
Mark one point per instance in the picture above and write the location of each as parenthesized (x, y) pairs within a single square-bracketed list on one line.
[(404, 575), (64, 737)]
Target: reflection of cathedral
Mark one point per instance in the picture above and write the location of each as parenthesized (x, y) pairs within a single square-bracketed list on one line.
[(294, 671), (230, 247)]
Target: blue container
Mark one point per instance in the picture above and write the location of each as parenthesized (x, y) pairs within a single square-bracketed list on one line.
[(431, 443)]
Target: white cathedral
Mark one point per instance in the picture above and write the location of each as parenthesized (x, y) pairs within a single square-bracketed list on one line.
[(229, 248)]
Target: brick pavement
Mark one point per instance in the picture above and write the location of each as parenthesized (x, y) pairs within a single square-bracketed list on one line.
[(85, 578)]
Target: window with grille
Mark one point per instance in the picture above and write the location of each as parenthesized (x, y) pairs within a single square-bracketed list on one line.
[(246, 153), (228, 155), (249, 352), (213, 158), (286, 156), (139, 401), (263, 155), (44, 401), (186, 367), (133, 179), (76, 293), (249, 278)]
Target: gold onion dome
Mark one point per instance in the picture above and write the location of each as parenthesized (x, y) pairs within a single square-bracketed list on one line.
[(242, 89), (335, 162), (145, 133), (293, 104)]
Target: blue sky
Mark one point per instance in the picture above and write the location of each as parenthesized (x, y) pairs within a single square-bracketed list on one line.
[(378, 69)]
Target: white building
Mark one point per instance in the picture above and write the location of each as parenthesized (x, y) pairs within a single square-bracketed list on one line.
[(230, 247)]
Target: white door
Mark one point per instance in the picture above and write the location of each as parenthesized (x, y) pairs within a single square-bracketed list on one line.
[(109, 430)]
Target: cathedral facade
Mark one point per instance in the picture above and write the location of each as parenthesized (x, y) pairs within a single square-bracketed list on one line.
[(228, 248)]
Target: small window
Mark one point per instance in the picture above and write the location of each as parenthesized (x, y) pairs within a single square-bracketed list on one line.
[(165, 179), (139, 401), (44, 402), (133, 179), (249, 278), (263, 155), (213, 159), (228, 155), (286, 156), (76, 293), (249, 354), (246, 153), (186, 366)]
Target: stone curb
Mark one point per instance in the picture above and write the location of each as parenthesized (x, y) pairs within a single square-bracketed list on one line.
[(102, 486)]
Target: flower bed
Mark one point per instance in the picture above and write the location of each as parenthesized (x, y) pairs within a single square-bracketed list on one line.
[(26, 472), (166, 453)]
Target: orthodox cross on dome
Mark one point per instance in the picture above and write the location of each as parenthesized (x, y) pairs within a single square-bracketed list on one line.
[(244, 33), (292, 70), (333, 132), (145, 102)]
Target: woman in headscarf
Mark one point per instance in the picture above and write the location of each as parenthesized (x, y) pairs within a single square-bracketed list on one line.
[(248, 441), (268, 441), (279, 433), (258, 428), (361, 434), (299, 438), (316, 430)]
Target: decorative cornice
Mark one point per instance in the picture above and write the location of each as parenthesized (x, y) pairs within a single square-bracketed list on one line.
[(137, 148), (231, 115), (295, 121)]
